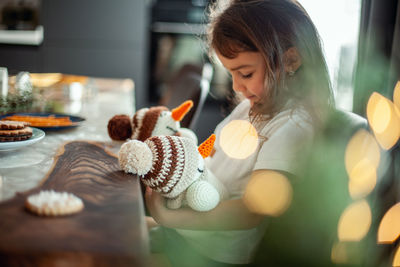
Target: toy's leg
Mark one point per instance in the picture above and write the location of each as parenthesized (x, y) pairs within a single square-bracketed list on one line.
[(175, 203), (202, 196)]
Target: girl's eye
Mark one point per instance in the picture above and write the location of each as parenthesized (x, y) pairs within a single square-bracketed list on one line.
[(246, 76)]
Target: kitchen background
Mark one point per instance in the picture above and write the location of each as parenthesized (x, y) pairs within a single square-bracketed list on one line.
[(149, 41)]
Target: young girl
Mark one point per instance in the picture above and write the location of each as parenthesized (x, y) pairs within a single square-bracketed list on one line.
[(272, 51)]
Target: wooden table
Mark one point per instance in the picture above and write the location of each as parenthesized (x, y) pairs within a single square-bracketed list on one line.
[(111, 229)]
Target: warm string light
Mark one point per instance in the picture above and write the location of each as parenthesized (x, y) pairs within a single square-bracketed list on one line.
[(396, 95), (355, 221), (339, 253), (344, 253), (389, 227), (396, 259), (362, 158), (362, 161), (362, 146), (384, 120), (239, 139), (268, 193), (362, 180), (384, 117)]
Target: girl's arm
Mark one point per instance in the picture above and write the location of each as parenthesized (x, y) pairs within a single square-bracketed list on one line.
[(228, 215)]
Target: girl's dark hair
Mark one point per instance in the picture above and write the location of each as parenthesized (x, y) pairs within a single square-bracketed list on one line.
[(271, 27)]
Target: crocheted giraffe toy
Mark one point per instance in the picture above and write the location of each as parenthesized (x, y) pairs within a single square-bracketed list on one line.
[(149, 122), (174, 167)]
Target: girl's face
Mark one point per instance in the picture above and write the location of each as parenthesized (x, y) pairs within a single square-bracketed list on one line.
[(248, 73)]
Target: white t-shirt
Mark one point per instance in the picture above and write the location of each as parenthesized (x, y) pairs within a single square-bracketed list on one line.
[(282, 140)]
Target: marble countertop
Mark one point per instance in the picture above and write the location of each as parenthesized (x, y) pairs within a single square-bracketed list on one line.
[(23, 169)]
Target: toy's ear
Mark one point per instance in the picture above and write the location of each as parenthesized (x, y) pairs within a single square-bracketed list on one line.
[(119, 127), (206, 147), (180, 112)]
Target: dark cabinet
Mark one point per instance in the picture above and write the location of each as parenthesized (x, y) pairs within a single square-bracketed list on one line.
[(20, 58), (98, 38)]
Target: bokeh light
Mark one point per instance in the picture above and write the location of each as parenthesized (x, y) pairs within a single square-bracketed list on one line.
[(348, 253), (389, 227), (362, 179), (268, 193), (239, 139), (396, 259), (378, 112), (384, 121), (339, 253), (362, 146), (355, 221), (396, 95), (45, 79), (362, 159), (345, 253)]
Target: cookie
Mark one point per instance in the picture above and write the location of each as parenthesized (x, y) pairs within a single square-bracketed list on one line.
[(14, 138), (52, 203), (15, 135), (12, 125), (16, 132)]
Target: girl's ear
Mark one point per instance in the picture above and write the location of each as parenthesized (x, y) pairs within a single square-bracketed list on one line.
[(292, 60)]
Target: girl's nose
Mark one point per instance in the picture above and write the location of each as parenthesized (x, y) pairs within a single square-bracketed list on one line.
[(237, 86)]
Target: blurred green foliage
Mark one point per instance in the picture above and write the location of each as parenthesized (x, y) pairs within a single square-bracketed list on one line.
[(16, 102), (306, 233)]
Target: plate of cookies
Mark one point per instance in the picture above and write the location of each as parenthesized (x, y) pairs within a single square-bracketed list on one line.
[(17, 134), (45, 121)]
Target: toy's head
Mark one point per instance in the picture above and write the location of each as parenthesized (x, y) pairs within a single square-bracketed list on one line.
[(149, 122), (167, 164)]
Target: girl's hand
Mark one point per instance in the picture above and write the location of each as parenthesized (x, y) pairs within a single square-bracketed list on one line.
[(156, 205)]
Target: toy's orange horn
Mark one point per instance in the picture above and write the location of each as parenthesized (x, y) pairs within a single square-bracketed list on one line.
[(206, 147), (180, 112)]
